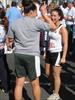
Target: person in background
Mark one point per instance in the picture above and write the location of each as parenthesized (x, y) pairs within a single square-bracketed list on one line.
[(51, 6), (38, 8), (4, 71), (56, 52), (19, 6), (13, 13), (25, 33), (7, 7), (69, 18), (71, 57), (64, 9), (1, 5)]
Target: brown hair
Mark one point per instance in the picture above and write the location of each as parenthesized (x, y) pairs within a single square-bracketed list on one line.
[(3, 19), (51, 6), (59, 11)]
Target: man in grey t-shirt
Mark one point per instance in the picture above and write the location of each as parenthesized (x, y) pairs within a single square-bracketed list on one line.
[(26, 32)]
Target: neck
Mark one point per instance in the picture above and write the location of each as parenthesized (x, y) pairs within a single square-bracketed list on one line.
[(28, 15), (57, 24)]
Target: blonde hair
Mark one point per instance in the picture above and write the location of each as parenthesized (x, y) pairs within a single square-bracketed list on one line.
[(52, 6)]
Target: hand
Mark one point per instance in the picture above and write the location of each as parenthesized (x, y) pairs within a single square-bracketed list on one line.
[(9, 42), (9, 45), (63, 60), (43, 9), (69, 17), (65, 17)]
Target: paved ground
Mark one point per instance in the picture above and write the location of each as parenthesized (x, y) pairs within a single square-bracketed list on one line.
[(67, 91)]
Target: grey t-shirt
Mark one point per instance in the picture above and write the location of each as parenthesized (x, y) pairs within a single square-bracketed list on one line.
[(26, 34)]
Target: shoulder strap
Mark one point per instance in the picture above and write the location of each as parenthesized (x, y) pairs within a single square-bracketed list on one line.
[(59, 27)]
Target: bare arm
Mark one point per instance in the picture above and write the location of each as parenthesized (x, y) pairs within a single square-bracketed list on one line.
[(64, 34), (46, 17)]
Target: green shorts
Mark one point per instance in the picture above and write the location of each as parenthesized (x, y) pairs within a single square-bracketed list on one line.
[(27, 65)]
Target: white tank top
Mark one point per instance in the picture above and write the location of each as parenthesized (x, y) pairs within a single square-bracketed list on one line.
[(55, 43)]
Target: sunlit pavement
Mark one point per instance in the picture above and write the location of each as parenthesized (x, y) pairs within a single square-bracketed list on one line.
[(67, 91)]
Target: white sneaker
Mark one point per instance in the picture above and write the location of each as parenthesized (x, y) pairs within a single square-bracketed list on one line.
[(54, 97)]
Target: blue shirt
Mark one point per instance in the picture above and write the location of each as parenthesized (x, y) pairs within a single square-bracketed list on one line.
[(13, 14)]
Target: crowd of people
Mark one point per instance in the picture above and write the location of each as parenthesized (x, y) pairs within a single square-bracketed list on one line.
[(36, 29)]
